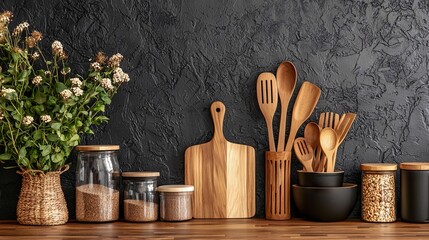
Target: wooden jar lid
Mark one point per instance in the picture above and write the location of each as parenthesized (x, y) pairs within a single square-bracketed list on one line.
[(415, 166), (95, 148), (378, 167), (175, 188), (140, 174)]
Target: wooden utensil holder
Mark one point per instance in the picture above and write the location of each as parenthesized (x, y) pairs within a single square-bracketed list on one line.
[(277, 185)]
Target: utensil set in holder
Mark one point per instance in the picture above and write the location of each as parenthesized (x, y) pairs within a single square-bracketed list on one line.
[(278, 160), (316, 151)]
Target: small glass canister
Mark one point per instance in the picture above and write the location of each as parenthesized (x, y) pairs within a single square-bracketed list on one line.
[(175, 202), (378, 192), (140, 198), (97, 183)]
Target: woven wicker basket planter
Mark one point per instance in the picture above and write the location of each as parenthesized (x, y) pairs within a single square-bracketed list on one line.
[(41, 201)]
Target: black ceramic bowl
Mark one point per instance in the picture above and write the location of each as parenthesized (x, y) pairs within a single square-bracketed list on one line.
[(325, 204), (320, 179)]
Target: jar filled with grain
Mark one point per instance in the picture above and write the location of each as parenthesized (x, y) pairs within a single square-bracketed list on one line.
[(97, 183), (378, 192), (140, 198), (175, 202)]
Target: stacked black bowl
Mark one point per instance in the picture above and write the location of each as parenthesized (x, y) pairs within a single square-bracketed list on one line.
[(322, 196)]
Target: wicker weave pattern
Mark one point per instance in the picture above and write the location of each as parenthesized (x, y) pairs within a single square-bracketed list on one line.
[(41, 201)]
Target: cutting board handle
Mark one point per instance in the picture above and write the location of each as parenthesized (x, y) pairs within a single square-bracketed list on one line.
[(218, 110)]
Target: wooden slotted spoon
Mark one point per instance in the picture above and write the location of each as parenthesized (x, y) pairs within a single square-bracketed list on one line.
[(305, 153), (329, 143), (305, 103), (286, 81), (266, 90)]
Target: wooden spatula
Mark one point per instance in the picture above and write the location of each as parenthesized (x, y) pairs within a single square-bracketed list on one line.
[(223, 174), (304, 153), (331, 120), (266, 91), (305, 103)]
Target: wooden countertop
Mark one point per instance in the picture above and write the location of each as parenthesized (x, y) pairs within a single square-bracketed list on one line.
[(218, 229)]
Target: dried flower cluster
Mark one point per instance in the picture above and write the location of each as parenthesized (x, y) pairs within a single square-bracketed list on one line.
[(44, 110), (46, 118), (57, 50), (37, 80), (27, 120)]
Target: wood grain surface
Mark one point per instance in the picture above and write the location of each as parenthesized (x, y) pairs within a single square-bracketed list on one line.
[(219, 229), (223, 174)]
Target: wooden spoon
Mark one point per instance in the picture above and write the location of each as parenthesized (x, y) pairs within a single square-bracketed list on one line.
[(311, 135), (327, 119), (286, 81), (305, 153), (329, 143), (305, 103), (266, 90)]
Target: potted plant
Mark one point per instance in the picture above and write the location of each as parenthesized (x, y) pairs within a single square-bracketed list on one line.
[(43, 111)]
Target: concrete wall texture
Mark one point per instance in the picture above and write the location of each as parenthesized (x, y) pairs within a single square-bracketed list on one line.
[(368, 57)]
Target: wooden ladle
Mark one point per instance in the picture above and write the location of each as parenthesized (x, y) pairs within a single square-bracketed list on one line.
[(329, 144), (286, 81), (266, 91)]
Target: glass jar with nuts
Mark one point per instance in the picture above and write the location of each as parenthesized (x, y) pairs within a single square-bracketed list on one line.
[(378, 192)]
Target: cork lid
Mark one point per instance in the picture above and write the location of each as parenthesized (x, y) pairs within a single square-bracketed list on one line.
[(175, 188), (140, 174), (95, 148), (378, 167), (415, 166)]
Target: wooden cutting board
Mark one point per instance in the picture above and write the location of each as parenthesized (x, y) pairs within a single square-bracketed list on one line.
[(223, 174)]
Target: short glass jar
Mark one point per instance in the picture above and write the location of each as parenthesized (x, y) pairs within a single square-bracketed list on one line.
[(175, 202), (140, 198), (97, 183), (378, 192)]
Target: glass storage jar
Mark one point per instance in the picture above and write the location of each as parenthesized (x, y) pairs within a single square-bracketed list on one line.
[(140, 198), (97, 183), (175, 202), (378, 192)]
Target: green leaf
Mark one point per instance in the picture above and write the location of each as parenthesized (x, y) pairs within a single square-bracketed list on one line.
[(106, 99), (52, 137), (59, 86), (37, 134), (79, 123), (22, 152), (5, 156), (46, 150), (56, 158), (39, 109), (40, 97), (99, 108), (56, 126), (84, 112), (74, 138), (69, 115)]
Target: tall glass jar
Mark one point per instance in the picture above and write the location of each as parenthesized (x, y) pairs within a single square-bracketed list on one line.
[(378, 192), (140, 198), (97, 183)]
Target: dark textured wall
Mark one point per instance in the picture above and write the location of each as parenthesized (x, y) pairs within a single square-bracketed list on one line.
[(369, 57)]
